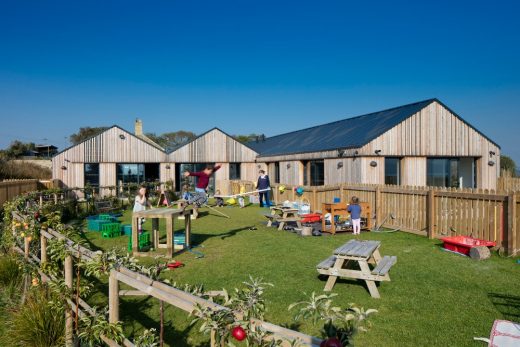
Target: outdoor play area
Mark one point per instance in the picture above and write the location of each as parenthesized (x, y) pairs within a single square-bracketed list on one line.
[(427, 296)]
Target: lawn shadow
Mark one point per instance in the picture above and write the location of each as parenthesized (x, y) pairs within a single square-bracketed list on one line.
[(133, 312), (508, 305)]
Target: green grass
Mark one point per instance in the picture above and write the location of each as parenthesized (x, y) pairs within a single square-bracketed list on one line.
[(435, 298)]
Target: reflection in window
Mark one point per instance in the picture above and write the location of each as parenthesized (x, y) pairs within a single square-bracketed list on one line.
[(393, 171), (91, 172), (314, 173), (442, 172), (234, 171)]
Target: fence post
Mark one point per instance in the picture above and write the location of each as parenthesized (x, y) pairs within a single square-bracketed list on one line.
[(431, 213), (43, 248), (378, 208), (68, 311), (113, 298), (314, 199), (26, 244), (511, 223)]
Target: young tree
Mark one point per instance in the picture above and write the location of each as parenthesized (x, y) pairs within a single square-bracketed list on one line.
[(249, 138), (507, 164), (18, 148), (171, 140), (84, 133)]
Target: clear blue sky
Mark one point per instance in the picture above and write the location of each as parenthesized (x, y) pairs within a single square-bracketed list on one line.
[(252, 66)]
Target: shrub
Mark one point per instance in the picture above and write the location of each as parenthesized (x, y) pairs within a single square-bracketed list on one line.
[(37, 323)]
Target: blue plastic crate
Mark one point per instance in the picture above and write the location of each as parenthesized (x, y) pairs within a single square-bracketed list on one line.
[(126, 229), (96, 224), (179, 239)]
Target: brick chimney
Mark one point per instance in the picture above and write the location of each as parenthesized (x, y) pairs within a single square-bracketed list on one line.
[(138, 127)]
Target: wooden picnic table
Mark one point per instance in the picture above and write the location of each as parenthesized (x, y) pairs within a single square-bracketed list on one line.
[(283, 215), (168, 214), (360, 253)]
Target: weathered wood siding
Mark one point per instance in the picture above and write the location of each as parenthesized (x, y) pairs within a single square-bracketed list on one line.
[(372, 174), (107, 177), (165, 174), (291, 172), (342, 170), (214, 146), (413, 171)]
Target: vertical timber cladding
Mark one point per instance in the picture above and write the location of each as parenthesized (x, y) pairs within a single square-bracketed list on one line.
[(436, 132), (342, 170)]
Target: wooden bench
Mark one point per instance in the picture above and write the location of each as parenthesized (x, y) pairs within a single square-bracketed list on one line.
[(104, 206), (361, 253), (281, 220)]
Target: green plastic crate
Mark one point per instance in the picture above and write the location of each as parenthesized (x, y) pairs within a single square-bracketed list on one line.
[(110, 230), (144, 240)]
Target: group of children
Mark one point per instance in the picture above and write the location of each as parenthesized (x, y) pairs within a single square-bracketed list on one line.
[(263, 185)]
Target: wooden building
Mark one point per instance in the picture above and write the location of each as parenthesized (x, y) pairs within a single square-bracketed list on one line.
[(423, 143), (419, 144)]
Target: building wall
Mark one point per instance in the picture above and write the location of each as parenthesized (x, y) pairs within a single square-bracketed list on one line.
[(292, 174), (413, 171), (348, 170), (214, 146)]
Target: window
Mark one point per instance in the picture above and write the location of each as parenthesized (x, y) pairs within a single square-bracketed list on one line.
[(442, 172), (234, 171), (313, 173), (129, 173), (92, 175), (277, 172), (393, 171)]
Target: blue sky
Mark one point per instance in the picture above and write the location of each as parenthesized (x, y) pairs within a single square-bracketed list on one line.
[(252, 66)]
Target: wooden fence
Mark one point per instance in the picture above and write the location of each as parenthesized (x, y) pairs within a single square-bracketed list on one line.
[(508, 183), (143, 285), (428, 211), (9, 189)]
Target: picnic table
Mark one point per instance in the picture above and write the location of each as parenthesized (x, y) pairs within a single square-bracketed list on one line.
[(168, 214), (282, 215), (360, 253)]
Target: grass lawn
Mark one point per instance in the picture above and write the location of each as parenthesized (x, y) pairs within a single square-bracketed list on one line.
[(435, 298)]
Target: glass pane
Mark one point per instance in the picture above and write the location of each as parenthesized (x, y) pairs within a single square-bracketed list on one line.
[(392, 171), (234, 171), (317, 173)]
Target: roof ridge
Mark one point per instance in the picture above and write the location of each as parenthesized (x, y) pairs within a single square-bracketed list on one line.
[(344, 119)]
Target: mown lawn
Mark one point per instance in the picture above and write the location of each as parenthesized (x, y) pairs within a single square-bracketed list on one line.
[(435, 298)]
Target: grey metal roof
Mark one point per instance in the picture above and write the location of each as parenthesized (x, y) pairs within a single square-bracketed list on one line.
[(347, 133)]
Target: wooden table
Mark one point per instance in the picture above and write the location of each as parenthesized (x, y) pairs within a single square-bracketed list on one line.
[(283, 215), (168, 214), (341, 209), (361, 254)]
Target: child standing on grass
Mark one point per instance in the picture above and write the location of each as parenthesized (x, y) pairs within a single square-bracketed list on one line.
[(355, 215)]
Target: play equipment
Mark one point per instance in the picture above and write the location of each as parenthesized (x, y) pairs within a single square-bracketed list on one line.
[(281, 189), (126, 229), (311, 218), (143, 241), (110, 230), (95, 223), (466, 245), (299, 190)]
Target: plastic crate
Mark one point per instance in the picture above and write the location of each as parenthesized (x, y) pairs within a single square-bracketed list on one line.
[(126, 229), (179, 239), (107, 217), (109, 230), (96, 224), (144, 240)]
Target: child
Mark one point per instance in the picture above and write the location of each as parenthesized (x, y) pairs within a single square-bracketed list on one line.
[(355, 215), (218, 199), (263, 184), (140, 204), (241, 200), (203, 177)]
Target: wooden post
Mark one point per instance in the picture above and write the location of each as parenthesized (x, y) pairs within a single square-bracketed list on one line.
[(314, 199), (26, 244), (378, 208), (169, 236), (341, 193), (113, 298), (431, 213), (41, 200), (511, 223), (68, 312), (187, 229), (55, 199), (43, 248), (135, 235), (155, 233)]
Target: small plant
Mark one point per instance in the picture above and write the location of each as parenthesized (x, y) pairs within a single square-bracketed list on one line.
[(147, 339), (338, 324), (92, 327)]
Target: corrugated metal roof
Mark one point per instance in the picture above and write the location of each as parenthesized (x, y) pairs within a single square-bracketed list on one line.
[(347, 133)]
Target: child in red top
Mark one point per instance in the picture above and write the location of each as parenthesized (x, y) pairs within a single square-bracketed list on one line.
[(204, 176)]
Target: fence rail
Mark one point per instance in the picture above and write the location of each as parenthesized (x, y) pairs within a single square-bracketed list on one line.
[(143, 286), (9, 189), (427, 211), (508, 183)]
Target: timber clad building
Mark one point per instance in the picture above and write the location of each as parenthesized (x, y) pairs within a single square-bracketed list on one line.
[(420, 144)]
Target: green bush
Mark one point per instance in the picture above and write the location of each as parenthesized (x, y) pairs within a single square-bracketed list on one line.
[(37, 323), (10, 271)]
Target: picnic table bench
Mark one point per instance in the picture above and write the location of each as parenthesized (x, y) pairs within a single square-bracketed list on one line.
[(283, 215), (104, 206), (361, 253)]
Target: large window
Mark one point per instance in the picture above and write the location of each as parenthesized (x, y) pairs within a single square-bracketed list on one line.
[(393, 171), (442, 172), (234, 171), (277, 172), (313, 173), (136, 173), (92, 175)]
